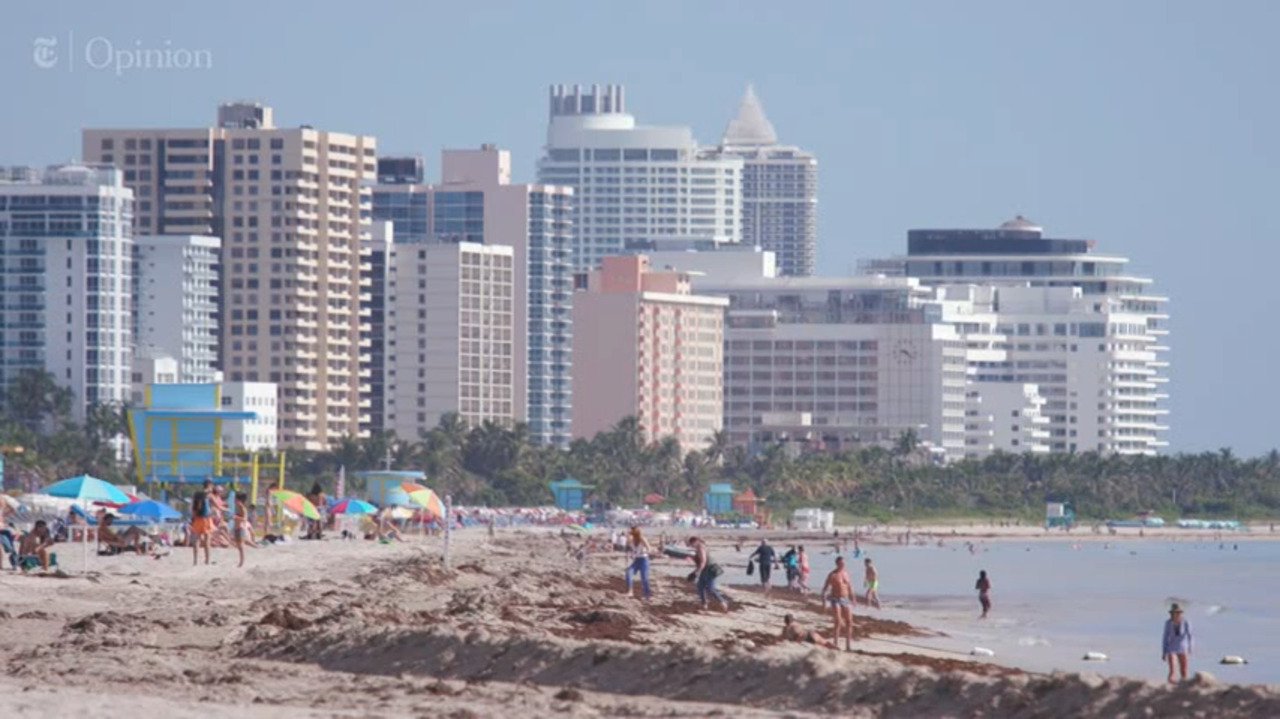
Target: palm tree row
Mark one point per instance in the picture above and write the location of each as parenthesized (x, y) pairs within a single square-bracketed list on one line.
[(497, 465)]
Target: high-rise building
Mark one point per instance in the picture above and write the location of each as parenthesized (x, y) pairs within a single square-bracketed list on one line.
[(477, 202), (175, 302), (378, 265), (779, 189), (291, 208), (259, 433), (1080, 325), (644, 345), (66, 279), (452, 336), (633, 183)]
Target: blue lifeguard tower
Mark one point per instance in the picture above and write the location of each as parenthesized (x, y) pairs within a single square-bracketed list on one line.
[(382, 486), (177, 438), (569, 493), (719, 499)]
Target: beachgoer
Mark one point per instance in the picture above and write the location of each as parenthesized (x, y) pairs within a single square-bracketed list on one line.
[(705, 574), (838, 594), (36, 543), (984, 592), (315, 528), (201, 521), (803, 560), (872, 584), (765, 556), (638, 550), (133, 538), (240, 525), (1177, 643), (793, 632), (791, 563)]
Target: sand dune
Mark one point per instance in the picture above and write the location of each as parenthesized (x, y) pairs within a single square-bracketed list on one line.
[(516, 624)]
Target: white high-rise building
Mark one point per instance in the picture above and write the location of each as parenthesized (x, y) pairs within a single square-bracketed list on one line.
[(779, 189), (476, 201), (66, 279), (635, 183), (1079, 325), (175, 302), (250, 434), (451, 345)]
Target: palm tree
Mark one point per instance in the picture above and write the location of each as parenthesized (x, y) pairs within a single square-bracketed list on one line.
[(36, 401)]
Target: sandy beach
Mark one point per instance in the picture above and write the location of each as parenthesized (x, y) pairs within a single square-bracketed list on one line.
[(515, 623)]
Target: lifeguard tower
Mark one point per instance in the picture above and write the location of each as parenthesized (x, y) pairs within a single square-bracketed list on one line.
[(177, 439), (382, 486), (1059, 514), (570, 494)]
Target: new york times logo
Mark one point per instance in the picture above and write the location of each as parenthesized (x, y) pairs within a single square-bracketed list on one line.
[(102, 54)]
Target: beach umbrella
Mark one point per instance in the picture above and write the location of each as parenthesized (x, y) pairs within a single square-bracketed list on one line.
[(396, 497), (296, 503), (578, 528), (86, 489), (429, 501), (351, 505), (150, 509)]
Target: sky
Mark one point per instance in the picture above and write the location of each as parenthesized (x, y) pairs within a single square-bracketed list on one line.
[(1140, 124)]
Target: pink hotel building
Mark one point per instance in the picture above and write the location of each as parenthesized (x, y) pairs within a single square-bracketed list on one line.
[(645, 345)]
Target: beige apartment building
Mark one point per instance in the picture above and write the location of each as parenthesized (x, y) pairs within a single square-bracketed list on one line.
[(645, 345), (287, 204), (450, 333)]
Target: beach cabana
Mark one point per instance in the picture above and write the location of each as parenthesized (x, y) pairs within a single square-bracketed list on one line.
[(570, 494)]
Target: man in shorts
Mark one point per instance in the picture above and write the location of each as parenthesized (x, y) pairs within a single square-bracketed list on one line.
[(201, 521), (872, 584), (837, 593)]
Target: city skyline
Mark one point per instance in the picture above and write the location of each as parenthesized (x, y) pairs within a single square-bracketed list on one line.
[(1149, 150)]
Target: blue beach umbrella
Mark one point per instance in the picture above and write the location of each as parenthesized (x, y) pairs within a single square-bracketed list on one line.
[(86, 489), (351, 505), (150, 509)]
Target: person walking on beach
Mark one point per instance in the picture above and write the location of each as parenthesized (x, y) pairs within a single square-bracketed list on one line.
[(791, 563), (984, 592), (638, 550), (201, 521), (705, 574), (838, 594), (872, 584), (1177, 643), (765, 555)]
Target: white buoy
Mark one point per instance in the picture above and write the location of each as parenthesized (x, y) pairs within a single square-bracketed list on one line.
[(1095, 657), (982, 652), (1233, 659)]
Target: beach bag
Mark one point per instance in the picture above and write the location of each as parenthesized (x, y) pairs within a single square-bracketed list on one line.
[(751, 568)]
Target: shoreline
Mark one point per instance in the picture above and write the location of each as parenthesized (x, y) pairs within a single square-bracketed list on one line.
[(354, 628)]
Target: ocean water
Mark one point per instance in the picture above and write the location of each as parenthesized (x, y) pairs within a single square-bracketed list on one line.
[(1054, 601)]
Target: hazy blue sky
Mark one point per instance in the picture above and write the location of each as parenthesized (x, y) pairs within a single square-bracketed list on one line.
[(1148, 126)]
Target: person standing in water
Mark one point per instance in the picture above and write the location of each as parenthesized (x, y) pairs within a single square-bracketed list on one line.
[(1177, 643), (765, 555), (872, 581), (984, 592)]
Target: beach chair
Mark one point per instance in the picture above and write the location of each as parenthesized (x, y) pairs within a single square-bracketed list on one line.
[(28, 562)]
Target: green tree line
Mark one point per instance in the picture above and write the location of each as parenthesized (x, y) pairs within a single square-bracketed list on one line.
[(496, 465)]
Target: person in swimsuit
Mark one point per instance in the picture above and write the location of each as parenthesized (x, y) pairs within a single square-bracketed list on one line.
[(984, 592), (793, 632), (803, 560), (838, 594), (201, 522), (872, 584), (240, 525)]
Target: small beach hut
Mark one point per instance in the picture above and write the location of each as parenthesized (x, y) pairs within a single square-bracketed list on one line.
[(719, 499), (569, 493), (747, 503)]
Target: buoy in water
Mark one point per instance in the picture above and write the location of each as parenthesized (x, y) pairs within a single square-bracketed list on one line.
[(1233, 659), (1095, 657), (982, 652)]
